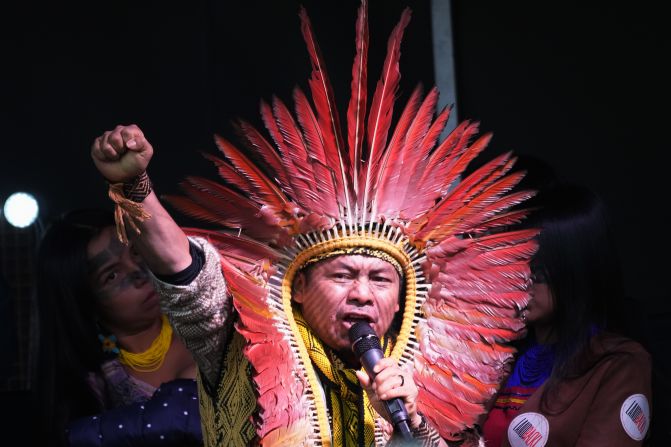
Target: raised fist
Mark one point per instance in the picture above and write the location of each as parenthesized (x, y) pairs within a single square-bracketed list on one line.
[(121, 154)]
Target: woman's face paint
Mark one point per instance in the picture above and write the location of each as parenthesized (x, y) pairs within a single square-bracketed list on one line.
[(120, 280)]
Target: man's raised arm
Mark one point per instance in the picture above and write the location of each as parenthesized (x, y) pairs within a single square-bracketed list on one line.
[(122, 156)]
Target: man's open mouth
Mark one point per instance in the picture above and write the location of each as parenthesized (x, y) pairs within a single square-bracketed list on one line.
[(356, 318)]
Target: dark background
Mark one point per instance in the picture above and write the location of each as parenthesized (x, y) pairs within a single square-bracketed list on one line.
[(580, 86)]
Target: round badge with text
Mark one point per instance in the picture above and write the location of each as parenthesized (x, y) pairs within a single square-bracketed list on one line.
[(528, 430), (635, 416)]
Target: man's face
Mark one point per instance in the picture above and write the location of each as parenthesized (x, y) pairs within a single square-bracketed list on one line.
[(337, 292)]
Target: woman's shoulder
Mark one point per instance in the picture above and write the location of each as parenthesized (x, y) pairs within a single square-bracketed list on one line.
[(609, 343)]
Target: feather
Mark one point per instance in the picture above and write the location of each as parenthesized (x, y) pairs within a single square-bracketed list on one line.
[(416, 199), (483, 177), (502, 220), (444, 158), (452, 247), (437, 226), (267, 152), (265, 188), (324, 175), (220, 205), (296, 186), (467, 331), (274, 131), (438, 399), (444, 167), (394, 188), (382, 105), (378, 165), (192, 209), (497, 205), (356, 111), (472, 315), (477, 358), (297, 434), (279, 389), (327, 114), (237, 245), (296, 157), (202, 190), (474, 293), (504, 203), (498, 240), (230, 174), (434, 132)]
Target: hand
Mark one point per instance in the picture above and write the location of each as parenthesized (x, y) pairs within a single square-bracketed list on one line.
[(121, 154), (391, 381)]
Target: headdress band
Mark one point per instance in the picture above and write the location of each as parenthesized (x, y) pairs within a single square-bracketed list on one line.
[(365, 251)]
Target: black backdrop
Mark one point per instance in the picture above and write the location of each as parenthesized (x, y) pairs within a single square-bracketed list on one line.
[(580, 86)]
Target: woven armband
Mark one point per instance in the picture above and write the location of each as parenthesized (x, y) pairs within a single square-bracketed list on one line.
[(127, 198), (138, 189)]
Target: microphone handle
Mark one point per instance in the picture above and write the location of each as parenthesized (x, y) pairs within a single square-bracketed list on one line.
[(395, 407)]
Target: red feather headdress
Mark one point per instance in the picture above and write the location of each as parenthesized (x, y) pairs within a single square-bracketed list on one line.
[(379, 186)]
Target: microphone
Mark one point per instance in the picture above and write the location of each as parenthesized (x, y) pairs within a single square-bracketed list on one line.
[(366, 346)]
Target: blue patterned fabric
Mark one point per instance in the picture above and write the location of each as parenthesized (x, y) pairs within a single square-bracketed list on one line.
[(169, 418), (533, 366)]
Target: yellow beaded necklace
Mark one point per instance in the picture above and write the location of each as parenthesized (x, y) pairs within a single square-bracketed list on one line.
[(151, 359)]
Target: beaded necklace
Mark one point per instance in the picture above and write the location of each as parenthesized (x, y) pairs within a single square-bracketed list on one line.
[(151, 359), (535, 365)]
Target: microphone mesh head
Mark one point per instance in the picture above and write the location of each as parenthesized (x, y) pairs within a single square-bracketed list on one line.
[(363, 338), (358, 330), (365, 344)]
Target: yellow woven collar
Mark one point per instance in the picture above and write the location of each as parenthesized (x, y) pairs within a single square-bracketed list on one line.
[(345, 397)]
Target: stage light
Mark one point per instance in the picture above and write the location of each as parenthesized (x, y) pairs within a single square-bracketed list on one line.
[(21, 209)]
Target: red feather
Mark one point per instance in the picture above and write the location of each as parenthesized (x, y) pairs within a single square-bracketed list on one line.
[(267, 152), (379, 165), (382, 105), (296, 157), (460, 196), (295, 185), (192, 209), (454, 208), (228, 173), (356, 112), (238, 246), (396, 180), (325, 105), (265, 188), (411, 208), (500, 204), (269, 121), (483, 177), (324, 173), (502, 220), (443, 160)]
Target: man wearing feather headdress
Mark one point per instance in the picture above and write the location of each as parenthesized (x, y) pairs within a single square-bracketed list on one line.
[(328, 233)]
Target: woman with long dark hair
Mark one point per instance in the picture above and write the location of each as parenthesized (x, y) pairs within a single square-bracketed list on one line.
[(105, 345), (577, 380)]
